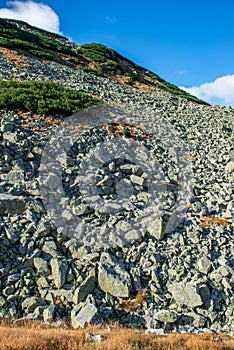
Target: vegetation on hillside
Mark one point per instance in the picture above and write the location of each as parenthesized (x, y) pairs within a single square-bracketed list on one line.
[(96, 52), (43, 97), (11, 36), (16, 34)]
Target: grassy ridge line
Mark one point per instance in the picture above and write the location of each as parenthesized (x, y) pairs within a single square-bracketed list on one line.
[(16, 34), (102, 54), (43, 97), (36, 43)]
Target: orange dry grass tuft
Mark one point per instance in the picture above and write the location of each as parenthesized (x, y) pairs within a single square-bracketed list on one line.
[(121, 129), (131, 305), (39, 129), (208, 220), (53, 121), (41, 337), (14, 56)]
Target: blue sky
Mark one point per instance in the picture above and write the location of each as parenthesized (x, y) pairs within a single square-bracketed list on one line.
[(189, 43)]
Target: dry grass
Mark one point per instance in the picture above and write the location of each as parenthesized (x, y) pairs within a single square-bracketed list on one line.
[(14, 56), (120, 129), (208, 220), (131, 305), (40, 337)]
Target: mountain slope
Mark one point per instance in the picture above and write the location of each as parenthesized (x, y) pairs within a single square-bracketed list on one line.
[(92, 58), (161, 153)]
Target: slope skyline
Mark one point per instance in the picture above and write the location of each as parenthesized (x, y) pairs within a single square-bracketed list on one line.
[(190, 45)]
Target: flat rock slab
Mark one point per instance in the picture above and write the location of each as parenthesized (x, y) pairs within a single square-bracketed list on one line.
[(186, 294), (82, 315), (12, 204)]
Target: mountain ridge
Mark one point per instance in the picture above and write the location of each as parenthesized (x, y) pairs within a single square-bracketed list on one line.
[(93, 58)]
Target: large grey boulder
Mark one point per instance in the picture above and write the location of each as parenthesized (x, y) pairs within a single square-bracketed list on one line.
[(82, 315), (31, 303), (186, 294), (112, 276), (59, 270), (86, 287)]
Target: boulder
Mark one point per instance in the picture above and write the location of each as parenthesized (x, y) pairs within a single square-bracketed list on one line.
[(82, 315), (186, 294), (165, 316), (112, 277), (59, 270), (31, 303), (86, 287)]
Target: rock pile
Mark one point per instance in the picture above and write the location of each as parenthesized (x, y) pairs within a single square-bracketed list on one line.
[(188, 276)]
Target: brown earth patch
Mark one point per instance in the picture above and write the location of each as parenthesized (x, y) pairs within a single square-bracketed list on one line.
[(14, 56)]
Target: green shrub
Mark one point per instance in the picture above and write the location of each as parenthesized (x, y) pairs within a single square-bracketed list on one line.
[(43, 97), (96, 52), (13, 37), (42, 54), (92, 71), (130, 75)]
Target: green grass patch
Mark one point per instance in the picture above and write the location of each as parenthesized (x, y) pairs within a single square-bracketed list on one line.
[(92, 71), (42, 54), (43, 97), (11, 36), (96, 52)]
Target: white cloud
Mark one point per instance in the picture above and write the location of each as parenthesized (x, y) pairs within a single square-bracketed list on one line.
[(34, 13), (110, 19), (219, 91)]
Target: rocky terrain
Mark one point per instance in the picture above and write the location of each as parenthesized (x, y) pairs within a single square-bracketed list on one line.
[(178, 280)]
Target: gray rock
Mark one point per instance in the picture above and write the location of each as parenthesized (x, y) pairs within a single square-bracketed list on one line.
[(42, 282), (82, 315), (126, 168), (59, 270), (43, 229), (105, 182), (155, 228), (30, 304), (2, 301), (48, 313), (7, 125), (52, 181), (86, 287), (50, 248), (205, 295), (112, 277), (197, 321), (186, 294), (12, 204), (165, 316), (93, 338), (138, 180), (82, 210), (137, 170), (124, 188), (9, 290), (41, 266), (204, 265), (13, 177)]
